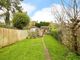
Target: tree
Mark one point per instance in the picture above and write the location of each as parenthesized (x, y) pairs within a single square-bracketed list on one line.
[(71, 10), (20, 20), (42, 24), (10, 6)]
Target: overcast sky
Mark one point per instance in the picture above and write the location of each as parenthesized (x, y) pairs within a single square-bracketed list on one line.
[(40, 10)]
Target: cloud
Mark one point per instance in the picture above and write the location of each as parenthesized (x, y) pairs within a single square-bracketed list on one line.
[(46, 14), (56, 8), (29, 8), (43, 15)]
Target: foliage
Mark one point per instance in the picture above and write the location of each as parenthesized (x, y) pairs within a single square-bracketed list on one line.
[(54, 31), (54, 34), (20, 20), (58, 51), (33, 34), (42, 24), (10, 6), (69, 26)]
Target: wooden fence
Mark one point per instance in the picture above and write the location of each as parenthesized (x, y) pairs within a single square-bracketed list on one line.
[(10, 36)]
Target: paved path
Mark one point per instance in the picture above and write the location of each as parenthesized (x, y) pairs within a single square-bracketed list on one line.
[(47, 56)]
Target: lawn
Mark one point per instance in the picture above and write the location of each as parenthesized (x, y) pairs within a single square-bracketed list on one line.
[(32, 49), (58, 51), (29, 49)]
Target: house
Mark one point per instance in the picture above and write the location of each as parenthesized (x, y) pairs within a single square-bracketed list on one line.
[(33, 32), (38, 32), (46, 29), (43, 30)]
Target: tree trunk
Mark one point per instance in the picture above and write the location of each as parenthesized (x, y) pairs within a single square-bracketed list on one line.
[(74, 39), (7, 20)]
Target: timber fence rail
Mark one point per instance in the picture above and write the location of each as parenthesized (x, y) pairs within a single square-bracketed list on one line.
[(10, 36)]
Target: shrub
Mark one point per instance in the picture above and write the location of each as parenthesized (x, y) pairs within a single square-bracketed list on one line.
[(42, 24), (54, 34), (20, 20)]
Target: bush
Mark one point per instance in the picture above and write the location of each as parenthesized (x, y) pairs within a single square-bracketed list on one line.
[(42, 24), (54, 34), (20, 20)]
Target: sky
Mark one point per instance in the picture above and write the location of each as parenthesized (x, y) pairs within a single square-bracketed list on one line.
[(40, 10), (43, 10)]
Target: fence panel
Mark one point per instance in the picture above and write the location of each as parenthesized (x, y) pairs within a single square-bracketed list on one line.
[(9, 36)]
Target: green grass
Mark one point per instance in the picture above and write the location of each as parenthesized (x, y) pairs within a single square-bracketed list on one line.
[(29, 49), (58, 51), (32, 49)]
